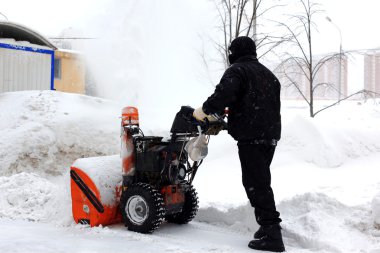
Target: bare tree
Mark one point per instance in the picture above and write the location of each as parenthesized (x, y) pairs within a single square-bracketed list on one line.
[(239, 18), (303, 64), (6, 18)]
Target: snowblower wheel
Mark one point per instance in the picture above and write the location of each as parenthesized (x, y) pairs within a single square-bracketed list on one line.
[(142, 208), (189, 209)]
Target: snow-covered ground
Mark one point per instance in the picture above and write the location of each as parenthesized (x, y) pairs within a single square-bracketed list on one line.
[(325, 178)]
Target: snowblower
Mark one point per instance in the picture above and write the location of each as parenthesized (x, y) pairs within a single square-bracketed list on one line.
[(151, 181)]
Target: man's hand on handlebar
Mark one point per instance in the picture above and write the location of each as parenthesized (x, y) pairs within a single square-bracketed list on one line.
[(211, 124)]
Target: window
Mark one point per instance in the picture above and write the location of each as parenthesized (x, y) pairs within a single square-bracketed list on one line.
[(57, 68)]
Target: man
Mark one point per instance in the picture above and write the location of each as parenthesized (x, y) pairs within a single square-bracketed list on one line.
[(252, 94)]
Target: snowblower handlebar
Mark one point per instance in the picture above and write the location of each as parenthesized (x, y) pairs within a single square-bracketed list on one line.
[(219, 120), (185, 123)]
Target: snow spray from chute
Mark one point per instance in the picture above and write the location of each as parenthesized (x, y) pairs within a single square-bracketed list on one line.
[(96, 181)]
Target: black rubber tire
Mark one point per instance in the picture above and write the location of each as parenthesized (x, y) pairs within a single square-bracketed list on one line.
[(189, 209), (152, 199)]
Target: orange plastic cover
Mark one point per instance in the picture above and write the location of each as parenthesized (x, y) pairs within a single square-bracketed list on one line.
[(84, 210)]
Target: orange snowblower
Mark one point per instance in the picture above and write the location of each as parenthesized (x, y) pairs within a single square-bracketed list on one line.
[(151, 180)]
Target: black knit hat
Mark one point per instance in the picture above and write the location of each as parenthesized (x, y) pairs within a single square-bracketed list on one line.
[(241, 46)]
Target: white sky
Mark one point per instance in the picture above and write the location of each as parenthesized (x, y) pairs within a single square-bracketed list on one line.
[(150, 24), (356, 19)]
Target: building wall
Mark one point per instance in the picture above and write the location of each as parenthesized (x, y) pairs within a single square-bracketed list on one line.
[(25, 68), (326, 80), (329, 75), (72, 73), (372, 72)]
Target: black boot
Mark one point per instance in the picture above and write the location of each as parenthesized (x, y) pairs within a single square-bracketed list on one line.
[(259, 233), (271, 240)]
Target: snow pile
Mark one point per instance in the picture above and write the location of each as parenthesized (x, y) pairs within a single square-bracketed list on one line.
[(22, 43), (43, 132), (376, 210), (31, 197), (240, 218), (311, 221), (318, 222), (333, 137), (27, 146)]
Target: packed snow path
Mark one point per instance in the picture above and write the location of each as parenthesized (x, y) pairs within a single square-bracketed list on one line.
[(194, 237), (23, 236)]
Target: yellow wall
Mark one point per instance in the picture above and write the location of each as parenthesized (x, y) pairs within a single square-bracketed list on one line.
[(72, 73)]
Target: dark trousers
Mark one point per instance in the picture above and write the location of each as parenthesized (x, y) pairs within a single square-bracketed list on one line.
[(255, 162)]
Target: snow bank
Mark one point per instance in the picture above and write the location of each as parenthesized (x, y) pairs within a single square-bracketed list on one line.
[(311, 221), (43, 132), (376, 210), (318, 222), (22, 43), (240, 218), (333, 137), (29, 196)]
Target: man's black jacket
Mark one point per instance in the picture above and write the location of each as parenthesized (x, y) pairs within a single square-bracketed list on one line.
[(252, 94)]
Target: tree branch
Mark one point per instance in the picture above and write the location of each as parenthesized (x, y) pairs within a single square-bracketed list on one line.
[(354, 94)]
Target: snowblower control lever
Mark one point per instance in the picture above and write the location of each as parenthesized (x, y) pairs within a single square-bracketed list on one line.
[(185, 123)]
